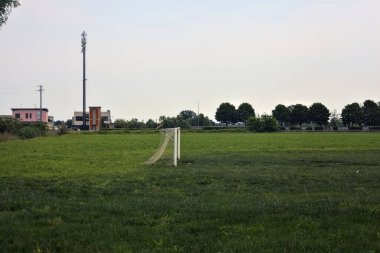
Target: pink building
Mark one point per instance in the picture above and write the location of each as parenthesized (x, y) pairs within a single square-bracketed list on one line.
[(30, 115)]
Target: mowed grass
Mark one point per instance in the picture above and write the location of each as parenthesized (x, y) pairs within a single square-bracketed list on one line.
[(232, 192)]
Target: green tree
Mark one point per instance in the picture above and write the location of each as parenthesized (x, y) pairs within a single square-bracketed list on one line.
[(264, 123), (281, 113), (352, 114), (299, 114), (150, 124), (188, 114), (181, 122), (120, 123), (169, 122), (6, 8), (134, 124), (226, 113), (245, 110), (319, 114), (371, 113)]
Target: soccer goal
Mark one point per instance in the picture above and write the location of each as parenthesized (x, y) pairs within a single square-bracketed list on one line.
[(169, 150)]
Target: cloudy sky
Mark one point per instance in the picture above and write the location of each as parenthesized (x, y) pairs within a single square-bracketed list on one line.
[(148, 58)]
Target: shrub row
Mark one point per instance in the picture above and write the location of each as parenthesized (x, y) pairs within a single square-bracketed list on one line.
[(356, 128), (14, 127)]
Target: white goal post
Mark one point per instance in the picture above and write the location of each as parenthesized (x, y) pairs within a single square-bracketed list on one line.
[(169, 150)]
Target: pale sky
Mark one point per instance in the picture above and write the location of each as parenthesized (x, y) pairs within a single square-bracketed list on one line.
[(148, 58)]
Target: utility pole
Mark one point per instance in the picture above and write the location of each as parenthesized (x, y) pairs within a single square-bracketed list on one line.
[(40, 90), (84, 42)]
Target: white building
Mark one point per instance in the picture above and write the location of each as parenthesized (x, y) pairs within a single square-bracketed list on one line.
[(78, 118)]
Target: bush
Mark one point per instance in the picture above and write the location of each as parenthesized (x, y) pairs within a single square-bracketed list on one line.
[(62, 129), (335, 128), (255, 124), (29, 132), (295, 128), (9, 125), (319, 128), (26, 131), (355, 128), (264, 123), (309, 128), (374, 128)]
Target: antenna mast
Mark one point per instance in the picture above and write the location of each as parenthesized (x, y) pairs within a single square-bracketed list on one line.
[(84, 42)]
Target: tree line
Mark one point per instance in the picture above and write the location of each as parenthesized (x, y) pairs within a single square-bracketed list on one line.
[(354, 114), (185, 119), (367, 114)]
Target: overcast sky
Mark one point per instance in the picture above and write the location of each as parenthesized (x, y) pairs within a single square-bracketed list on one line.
[(148, 58)]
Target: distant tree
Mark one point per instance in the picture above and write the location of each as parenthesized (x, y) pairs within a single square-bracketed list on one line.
[(6, 8), (188, 114), (169, 122), (208, 122), (226, 113), (371, 112), (58, 122), (319, 114), (150, 124), (120, 123), (352, 114), (245, 110), (282, 114), (69, 123), (135, 124), (299, 114), (181, 122), (335, 120), (264, 123), (203, 120)]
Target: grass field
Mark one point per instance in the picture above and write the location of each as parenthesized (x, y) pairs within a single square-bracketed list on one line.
[(232, 192)]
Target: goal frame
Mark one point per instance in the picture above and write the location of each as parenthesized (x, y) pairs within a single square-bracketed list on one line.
[(177, 145), (170, 135)]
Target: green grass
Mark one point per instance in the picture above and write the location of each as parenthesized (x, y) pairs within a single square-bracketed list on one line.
[(232, 192)]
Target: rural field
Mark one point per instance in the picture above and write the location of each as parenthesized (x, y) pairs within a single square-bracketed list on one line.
[(232, 192)]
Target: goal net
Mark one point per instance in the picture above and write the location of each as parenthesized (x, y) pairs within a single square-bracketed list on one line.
[(168, 152)]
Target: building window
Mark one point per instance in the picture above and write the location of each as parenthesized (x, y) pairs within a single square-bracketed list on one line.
[(17, 115), (94, 117), (26, 115), (30, 115)]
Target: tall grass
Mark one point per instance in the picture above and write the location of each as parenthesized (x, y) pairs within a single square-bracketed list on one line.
[(232, 192)]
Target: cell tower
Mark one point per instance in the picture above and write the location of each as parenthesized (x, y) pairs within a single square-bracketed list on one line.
[(84, 42)]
